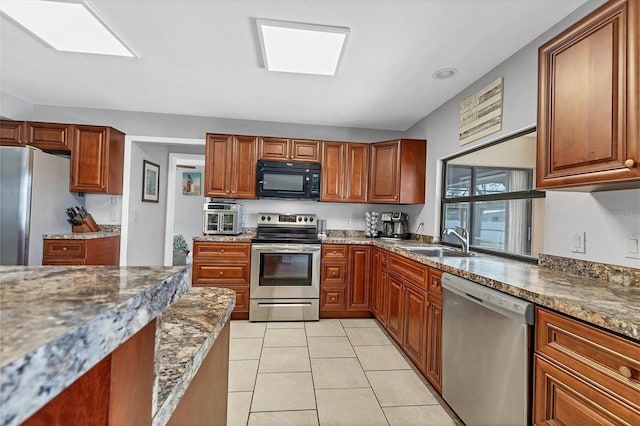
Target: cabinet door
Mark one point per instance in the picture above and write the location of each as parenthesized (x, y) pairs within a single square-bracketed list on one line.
[(332, 171), (359, 278), (356, 173), (394, 307), (50, 136), (561, 398), (333, 273), (376, 271), (304, 150), (434, 343), (243, 174), (13, 133), (385, 172), (89, 162), (588, 109), (415, 324), (217, 168), (273, 149), (332, 298)]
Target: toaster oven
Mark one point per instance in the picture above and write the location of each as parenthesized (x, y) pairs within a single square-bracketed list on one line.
[(222, 218)]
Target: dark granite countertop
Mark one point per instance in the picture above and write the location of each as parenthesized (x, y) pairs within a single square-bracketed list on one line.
[(57, 322), (186, 333)]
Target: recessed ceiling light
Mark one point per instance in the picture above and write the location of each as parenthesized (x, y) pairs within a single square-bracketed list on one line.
[(65, 26), (444, 73), (301, 48)]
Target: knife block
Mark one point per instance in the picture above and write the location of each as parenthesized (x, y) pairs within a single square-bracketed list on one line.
[(88, 225)]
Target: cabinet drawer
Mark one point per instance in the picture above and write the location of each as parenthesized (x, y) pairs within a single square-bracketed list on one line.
[(52, 261), (242, 297), (64, 248), (216, 273), (221, 250), (332, 298), (435, 282), (602, 358), (562, 398), (334, 251), (412, 271), (333, 273)]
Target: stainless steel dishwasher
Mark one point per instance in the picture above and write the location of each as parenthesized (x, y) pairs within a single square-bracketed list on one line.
[(486, 353)]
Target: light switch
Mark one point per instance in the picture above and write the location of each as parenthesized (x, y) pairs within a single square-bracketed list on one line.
[(578, 242), (633, 246)]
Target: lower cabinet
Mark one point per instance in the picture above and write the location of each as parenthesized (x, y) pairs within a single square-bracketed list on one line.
[(94, 251), (434, 342), (225, 265), (345, 278), (583, 375), (415, 324), (379, 277), (394, 305)]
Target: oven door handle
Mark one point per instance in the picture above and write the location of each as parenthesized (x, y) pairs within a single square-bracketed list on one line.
[(279, 305)]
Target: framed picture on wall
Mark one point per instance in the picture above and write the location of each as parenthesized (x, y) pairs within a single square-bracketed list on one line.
[(150, 181), (191, 183)]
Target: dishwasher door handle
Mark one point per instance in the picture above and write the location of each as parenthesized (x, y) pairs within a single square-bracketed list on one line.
[(477, 299)]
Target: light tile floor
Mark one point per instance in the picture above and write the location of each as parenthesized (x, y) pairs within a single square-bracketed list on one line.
[(331, 372)]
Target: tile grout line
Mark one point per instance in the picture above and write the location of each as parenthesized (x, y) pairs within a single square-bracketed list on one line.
[(367, 377), (313, 383)]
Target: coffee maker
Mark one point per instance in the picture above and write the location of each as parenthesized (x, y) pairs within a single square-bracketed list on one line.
[(394, 225), (400, 225)]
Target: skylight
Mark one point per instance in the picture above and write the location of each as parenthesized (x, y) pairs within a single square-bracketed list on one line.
[(301, 48), (69, 27)]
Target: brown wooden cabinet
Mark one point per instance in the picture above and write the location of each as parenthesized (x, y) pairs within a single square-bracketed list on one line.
[(415, 324), (359, 278), (283, 149), (13, 133), (94, 251), (588, 102), (333, 279), (97, 160), (225, 265), (50, 136), (378, 284), (433, 369), (397, 172), (394, 307), (344, 175), (583, 375), (230, 166)]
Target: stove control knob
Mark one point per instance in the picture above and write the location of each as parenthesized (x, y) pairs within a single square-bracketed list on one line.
[(306, 219), (263, 218), (268, 217), (310, 219), (299, 219)]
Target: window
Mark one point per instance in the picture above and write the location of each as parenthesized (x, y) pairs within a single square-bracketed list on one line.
[(489, 192)]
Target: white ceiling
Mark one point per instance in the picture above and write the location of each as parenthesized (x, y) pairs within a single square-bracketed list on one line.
[(199, 57)]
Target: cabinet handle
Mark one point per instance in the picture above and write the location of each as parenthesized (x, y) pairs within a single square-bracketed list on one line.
[(221, 273), (64, 249), (625, 371), (333, 274), (221, 250), (629, 163)]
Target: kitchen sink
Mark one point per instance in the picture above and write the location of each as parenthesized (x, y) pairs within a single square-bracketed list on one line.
[(437, 251)]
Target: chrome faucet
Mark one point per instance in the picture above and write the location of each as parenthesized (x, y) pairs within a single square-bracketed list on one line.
[(463, 236)]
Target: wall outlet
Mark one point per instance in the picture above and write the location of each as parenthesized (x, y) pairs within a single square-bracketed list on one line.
[(578, 242), (245, 218), (347, 223)]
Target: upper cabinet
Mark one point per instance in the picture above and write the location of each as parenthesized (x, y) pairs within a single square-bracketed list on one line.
[(588, 113), (345, 168), (46, 136), (289, 149), (97, 160), (397, 172), (13, 133), (230, 166)]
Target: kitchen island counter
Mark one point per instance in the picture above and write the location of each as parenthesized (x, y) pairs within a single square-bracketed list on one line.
[(56, 323)]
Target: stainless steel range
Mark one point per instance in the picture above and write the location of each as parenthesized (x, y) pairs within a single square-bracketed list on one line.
[(285, 268)]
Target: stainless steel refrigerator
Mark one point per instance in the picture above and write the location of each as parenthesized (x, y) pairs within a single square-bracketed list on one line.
[(34, 194)]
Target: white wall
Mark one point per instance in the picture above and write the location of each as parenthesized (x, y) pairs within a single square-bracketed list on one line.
[(565, 212), (14, 108), (188, 208), (146, 224)]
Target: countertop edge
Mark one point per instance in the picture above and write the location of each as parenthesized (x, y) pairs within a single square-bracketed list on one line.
[(164, 412), (81, 235), (26, 389)]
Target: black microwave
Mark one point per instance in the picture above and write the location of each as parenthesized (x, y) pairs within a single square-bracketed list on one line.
[(291, 180)]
